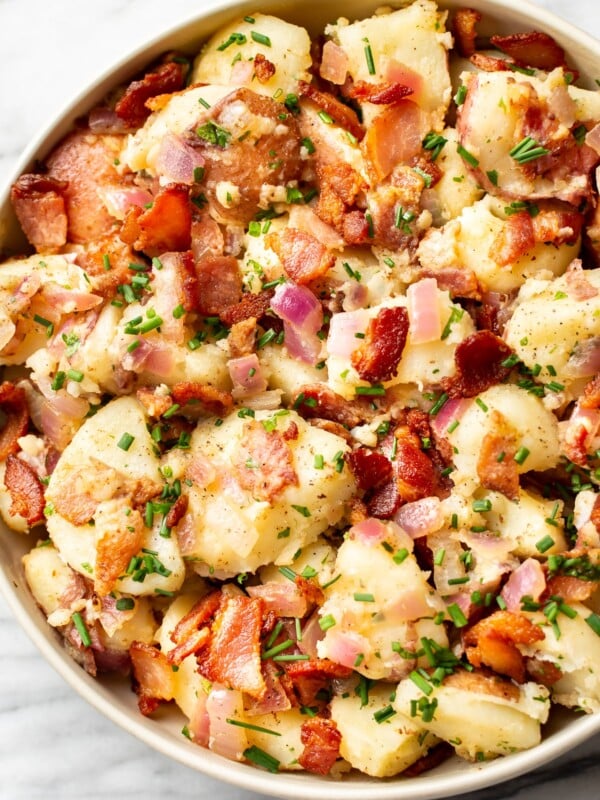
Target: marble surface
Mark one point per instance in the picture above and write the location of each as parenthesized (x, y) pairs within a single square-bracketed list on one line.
[(52, 744)]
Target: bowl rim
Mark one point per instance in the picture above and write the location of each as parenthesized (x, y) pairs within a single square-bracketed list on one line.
[(296, 786)]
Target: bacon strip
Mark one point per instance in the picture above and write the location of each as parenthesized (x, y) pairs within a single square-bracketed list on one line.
[(303, 256), (318, 400), (496, 466), (25, 489), (310, 677), (370, 468), (234, 654), (40, 208), (192, 633), (165, 226), (478, 361), (219, 283), (532, 49), (165, 79), (494, 640), (210, 400), (342, 115), (13, 404), (251, 305), (378, 356), (464, 30), (265, 464), (321, 740), (380, 94), (153, 674)]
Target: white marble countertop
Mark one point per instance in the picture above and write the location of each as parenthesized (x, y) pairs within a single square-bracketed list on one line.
[(52, 744)]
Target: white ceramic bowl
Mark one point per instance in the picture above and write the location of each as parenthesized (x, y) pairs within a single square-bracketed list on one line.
[(113, 697)]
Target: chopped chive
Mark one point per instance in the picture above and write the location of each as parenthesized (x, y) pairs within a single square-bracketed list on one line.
[(86, 639), (251, 727), (455, 316), (302, 510), (369, 58), (319, 461), (296, 657), (439, 556), (594, 622), (438, 405), (457, 616), (325, 117), (326, 622), (288, 573), (364, 597), (283, 534), (278, 648), (178, 311), (234, 38), (260, 38), (59, 380), (453, 426), (261, 759), (481, 404), (384, 714), (421, 682), (527, 150), (521, 455), (544, 544), (482, 505), (377, 390), (125, 604), (493, 177), (468, 157), (400, 555), (434, 143), (45, 323), (125, 441), (461, 95), (75, 375)]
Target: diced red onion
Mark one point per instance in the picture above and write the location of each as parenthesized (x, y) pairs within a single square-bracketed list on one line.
[(176, 160), (528, 580), (334, 63), (343, 328), (424, 311), (105, 120), (150, 357), (199, 724), (246, 375), (451, 411), (225, 739), (421, 517), (69, 301), (592, 138), (312, 634), (119, 199), (344, 647), (302, 316), (283, 598), (585, 359), (370, 531)]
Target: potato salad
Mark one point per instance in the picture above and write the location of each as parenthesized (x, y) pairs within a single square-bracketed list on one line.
[(301, 390)]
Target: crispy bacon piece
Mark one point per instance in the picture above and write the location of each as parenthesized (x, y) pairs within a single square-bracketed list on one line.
[(493, 642), (464, 29), (311, 676), (488, 63), (514, 239), (14, 405), (192, 633), (341, 114), (483, 681), (370, 468), (26, 491), (251, 305), (544, 672), (394, 137), (242, 338), (219, 284), (339, 186), (75, 506), (234, 658), (557, 224), (40, 209), (414, 470), (165, 227), (380, 94), (84, 161), (153, 674), (310, 590), (93, 261), (384, 501), (321, 740), (355, 228), (177, 511), (377, 357), (263, 68), (571, 590), (165, 79), (302, 255), (331, 406), (590, 397), (437, 755), (118, 539), (496, 466), (211, 400), (478, 361), (264, 465), (532, 49)]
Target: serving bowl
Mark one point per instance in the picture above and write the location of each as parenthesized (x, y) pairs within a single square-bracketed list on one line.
[(115, 699)]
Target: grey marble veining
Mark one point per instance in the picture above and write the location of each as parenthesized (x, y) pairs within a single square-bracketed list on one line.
[(53, 746)]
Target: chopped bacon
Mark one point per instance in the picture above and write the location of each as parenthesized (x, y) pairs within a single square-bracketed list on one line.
[(532, 49), (207, 398), (384, 501), (377, 357), (496, 468), (355, 227), (380, 94), (478, 361), (165, 79), (264, 464), (341, 114), (85, 162), (311, 591), (275, 698), (14, 406), (153, 674), (483, 681), (514, 239), (40, 208), (324, 402), (177, 511), (458, 282), (493, 642), (321, 740), (312, 676), (437, 755), (589, 399), (370, 468), (545, 672), (464, 29), (242, 338), (118, 539), (339, 186), (219, 283), (251, 305), (303, 256), (571, 590), (78, 507), (25, 489), (394, 137), (415, 473), (93, 259), (191, 634), (283, 598), (487, 63), (263, 68), (165, 226), (234, 658)]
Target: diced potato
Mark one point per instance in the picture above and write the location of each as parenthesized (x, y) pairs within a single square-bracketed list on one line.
[(141, 627), (479, 723), (47, 576), (413, 37), (525, 523), (380, 749), (319, 556), (376, 604), (469, 241), (235, 532), (287, 746), (285, 45), (535, 428), (548, 327), (286, 373), (574, 647)]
